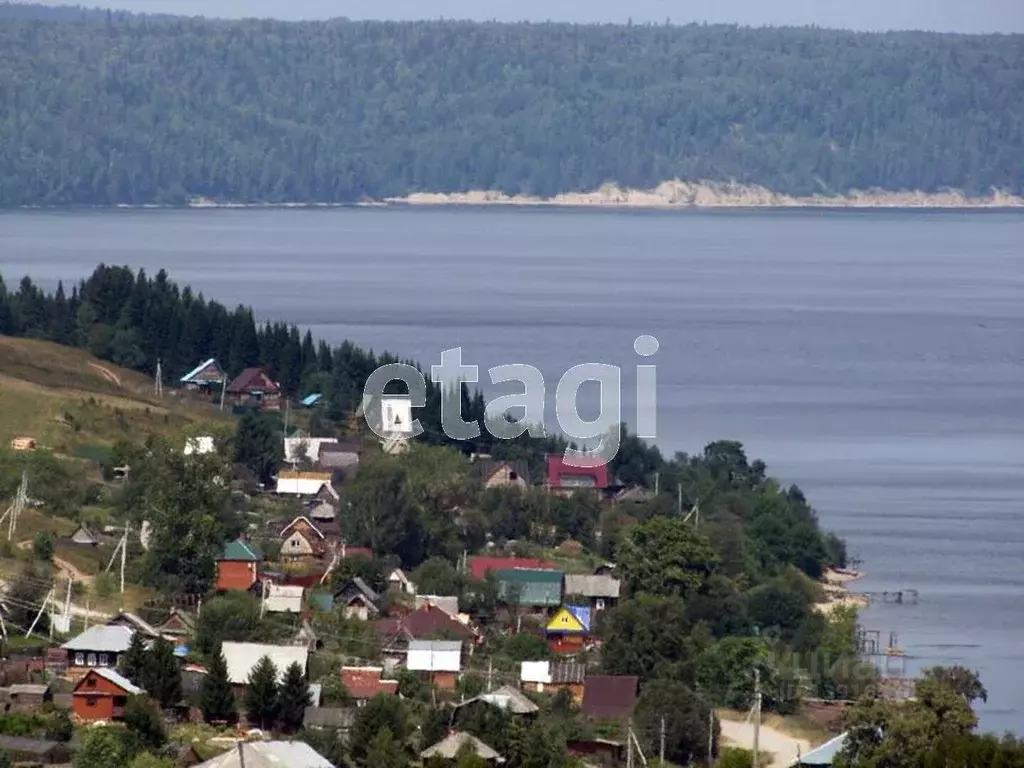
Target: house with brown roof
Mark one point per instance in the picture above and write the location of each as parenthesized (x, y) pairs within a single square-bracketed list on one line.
[(481, 565), (357, 599), (504, 474), (610, 697), (302, 540), (254, 388), (428, 622), (178, 625), (365, 683)]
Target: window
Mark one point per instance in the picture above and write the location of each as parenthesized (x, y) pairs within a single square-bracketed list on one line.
[(104, 662), (90, 682), (91, 701), (120, 701), (79, 659), (599, 604), (90, 660)]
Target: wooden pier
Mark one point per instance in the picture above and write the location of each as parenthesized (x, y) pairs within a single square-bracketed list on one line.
[(898, 597)]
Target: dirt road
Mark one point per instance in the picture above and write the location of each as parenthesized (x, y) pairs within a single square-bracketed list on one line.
[(784, 749), (64, 568)]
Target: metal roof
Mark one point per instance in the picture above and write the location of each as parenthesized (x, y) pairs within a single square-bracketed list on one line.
[(104, 639), (450, 747), (824, 755), (313, 399), (118, 679), (591, 586), (197, 370), (436, 646), (269, 754), (242, 657), (242, 550)]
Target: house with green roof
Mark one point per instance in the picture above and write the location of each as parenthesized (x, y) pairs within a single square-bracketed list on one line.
[(530, 588), (238, 566)]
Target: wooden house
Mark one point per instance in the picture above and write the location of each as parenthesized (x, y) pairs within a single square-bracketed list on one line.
[(102, 695), (254, 388), (610, 697), (357, 599), (504, 474), (25, 751), (569, 629), (552, 677), (600, 592), (366, 683), (206, 378), (302, 540), (97, 647), (565, 479), (178, 625)]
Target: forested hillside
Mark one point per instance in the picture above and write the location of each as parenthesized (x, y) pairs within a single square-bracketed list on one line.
[(103, 109)]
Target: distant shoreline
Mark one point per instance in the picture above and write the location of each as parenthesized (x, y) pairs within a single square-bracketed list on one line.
[(673, 195)]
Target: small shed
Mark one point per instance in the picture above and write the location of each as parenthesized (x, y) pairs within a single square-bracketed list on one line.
[(83, 536), (35, 751), (456, 742), (528, 587)]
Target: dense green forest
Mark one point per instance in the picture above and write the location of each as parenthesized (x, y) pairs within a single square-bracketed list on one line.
[(100, 108)]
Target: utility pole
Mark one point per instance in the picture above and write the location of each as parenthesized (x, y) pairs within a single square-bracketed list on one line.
[(757, 717), (629, 747), (67, 605), (46, 600), (657, 479), (711, 735), (490, 674), (124, 554), (17, 507), (661, 747), (263, 598), (223, 389), (679, 499), (159, 379)]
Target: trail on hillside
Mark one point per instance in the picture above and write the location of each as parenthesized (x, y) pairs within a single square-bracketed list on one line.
[(108, 374), (63, 567), (784, 749)]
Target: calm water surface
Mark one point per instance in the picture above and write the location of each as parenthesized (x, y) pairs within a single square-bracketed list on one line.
[(877, 359)]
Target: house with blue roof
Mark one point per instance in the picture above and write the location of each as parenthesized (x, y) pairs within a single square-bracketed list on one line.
[(204, 377), (568, 629), (822, 756)]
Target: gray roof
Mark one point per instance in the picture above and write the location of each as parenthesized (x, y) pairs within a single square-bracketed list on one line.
[(591, 586), (450, 746), (329, 717), (242, 657), (22, 744), (269, 754), (135, 620), (447, 603), (104, 639), (118, 679), (509, 698), (825, 755), (30, 689), (435, 646)]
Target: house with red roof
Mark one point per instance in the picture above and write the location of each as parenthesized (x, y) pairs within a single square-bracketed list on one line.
[(565, 479), (366, 683), (253, 387), (481, 565), (428, 622)]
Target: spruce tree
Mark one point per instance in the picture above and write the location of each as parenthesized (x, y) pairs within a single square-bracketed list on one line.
[(163, 675), (294, 698), (134, 663), (261, 694), (216, 697)]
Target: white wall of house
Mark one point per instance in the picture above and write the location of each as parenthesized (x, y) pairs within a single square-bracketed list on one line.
[(419, 660)]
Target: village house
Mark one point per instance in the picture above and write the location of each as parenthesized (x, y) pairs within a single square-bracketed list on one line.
[(254, 388), (530, 588), (552, 677), (24, 444), (322, 513), (635, 495), (135, 623), (481, 565), (507, 698), (600, 592), (84, 537), (568, 629), (457, 743), (25, 698), (303, 484), (205, 378), (238, 566), (428, 622), (178, 626), (305, 450), (99, 646), (241, 658), (102, 695), (440, 661), (341, 455), (447, 603), (301, 540), (25, 751), (283, 598), (504, 474), (357, 600), (268, 754), (366, 683), (565, 479), (400, 582), (610, 697)]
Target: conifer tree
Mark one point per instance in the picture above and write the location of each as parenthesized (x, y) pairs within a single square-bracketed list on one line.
[(163, 675), (261, 695), (294, 698), (134, 663), (217, 700)]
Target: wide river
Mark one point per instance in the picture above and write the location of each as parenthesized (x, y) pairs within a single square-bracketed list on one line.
[(875, 358)]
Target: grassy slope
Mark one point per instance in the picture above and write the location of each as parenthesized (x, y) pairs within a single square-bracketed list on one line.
[(41, 384)]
